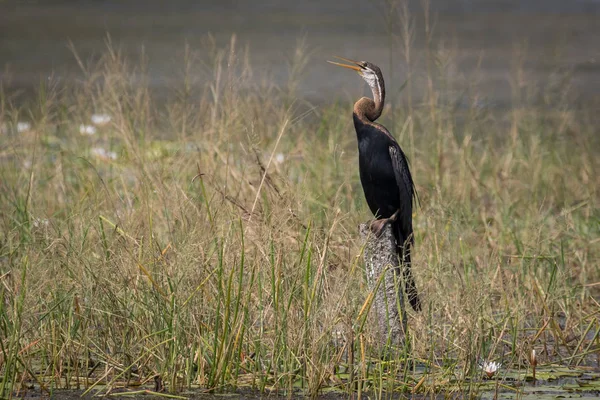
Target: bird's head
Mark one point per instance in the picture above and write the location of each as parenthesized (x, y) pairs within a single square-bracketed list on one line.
[(368, 71)]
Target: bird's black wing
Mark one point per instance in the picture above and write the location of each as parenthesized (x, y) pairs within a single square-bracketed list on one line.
[(404, 221), (406, 188)]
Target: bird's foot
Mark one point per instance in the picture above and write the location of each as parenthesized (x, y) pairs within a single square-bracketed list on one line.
[(378, 224)]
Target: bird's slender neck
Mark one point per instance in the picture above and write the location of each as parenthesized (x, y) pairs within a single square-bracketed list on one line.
[(371, 109)]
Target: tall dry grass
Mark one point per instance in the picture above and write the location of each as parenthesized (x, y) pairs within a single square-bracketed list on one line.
[(217, 246)]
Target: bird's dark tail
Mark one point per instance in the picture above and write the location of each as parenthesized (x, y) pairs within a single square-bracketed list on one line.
[(409, 281), (403, 247)]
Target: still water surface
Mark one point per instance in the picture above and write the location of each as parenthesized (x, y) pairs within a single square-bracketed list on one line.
[(558, 38)]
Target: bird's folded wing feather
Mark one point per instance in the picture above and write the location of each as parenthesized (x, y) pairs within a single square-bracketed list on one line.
[(406, 186)]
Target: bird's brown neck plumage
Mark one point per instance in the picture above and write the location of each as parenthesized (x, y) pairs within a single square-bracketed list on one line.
[(370, 109)]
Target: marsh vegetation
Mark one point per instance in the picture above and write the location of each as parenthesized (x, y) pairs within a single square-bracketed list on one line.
[(210, 241)]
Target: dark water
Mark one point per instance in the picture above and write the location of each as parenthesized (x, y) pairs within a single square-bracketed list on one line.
[(560, 38)]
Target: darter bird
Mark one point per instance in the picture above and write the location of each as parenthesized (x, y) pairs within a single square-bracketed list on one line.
[(384, 172)]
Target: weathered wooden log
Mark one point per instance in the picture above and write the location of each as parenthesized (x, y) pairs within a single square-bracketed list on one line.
[(388, 304)]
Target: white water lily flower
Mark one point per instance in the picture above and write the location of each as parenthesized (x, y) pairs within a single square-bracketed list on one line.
[(490, 368), (23, 127), (100, 119), (87, 129), (40, 222), (103, 154)]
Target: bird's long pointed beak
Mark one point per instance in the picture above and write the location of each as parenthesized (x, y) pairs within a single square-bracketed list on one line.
[(355, 67)]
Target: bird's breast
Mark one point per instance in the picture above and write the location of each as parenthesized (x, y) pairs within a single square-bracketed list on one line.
[(374, 158), (378, 180)]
